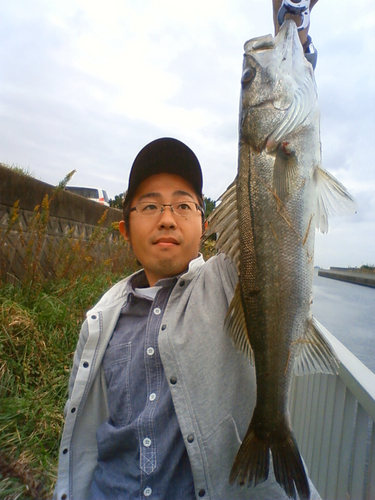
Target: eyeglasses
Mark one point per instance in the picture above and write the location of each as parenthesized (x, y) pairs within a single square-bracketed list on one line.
[(182, 208)]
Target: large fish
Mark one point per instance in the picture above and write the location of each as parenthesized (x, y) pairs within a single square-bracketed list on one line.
[(266, 223)]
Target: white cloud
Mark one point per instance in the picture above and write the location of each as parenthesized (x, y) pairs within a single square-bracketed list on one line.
[(86, 85)]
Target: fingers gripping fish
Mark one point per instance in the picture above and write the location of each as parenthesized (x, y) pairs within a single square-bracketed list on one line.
[(266, 223)]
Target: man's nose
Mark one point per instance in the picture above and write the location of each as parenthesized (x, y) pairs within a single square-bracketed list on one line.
[(167, 218)]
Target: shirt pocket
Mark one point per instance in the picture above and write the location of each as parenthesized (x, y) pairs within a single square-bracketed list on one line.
[(116, 365)]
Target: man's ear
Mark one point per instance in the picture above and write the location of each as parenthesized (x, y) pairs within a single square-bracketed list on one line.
[(122, 229)]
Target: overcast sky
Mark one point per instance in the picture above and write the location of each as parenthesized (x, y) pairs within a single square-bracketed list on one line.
[(86, 84)]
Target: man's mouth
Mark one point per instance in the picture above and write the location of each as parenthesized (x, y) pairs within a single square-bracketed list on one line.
[(166, 241)]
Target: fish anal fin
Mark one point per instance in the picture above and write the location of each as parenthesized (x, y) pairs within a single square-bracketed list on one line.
[(332, 198), (235, 324), (314, 354), (285, 171)]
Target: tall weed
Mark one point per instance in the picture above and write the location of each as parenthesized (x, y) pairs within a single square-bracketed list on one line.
[(40, 319)]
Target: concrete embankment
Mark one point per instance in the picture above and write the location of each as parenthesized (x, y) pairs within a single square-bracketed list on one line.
[(349, 275)]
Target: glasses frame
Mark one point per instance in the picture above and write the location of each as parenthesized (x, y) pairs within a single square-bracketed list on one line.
[(162, 208)]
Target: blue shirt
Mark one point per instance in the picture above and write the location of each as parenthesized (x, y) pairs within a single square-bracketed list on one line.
[(141, 450)]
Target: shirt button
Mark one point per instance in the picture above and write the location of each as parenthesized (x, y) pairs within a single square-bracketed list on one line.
[(150, 351), (164, 327), (173, 380), (147, 442), (147, 492), (182, 283), (201, 492), (157, 311), (190, 438), (152, 396)]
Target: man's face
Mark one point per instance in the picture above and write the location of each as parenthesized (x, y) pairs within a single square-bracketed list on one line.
[(165, 243)]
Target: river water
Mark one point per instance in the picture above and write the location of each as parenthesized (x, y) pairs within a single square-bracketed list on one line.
[(347, 310)]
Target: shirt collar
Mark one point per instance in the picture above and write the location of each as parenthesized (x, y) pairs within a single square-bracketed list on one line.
[(139, 280)]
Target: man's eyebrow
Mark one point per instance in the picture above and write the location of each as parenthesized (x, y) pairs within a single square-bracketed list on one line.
[(150, 195), (179, 192)]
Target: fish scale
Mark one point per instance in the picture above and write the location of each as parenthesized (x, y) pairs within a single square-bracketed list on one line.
[(280, 195)]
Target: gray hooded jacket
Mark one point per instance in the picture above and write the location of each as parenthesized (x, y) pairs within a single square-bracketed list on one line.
[(213, 386)]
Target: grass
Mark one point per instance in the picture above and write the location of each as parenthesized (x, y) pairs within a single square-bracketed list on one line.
[(38, 334), (40, 320)]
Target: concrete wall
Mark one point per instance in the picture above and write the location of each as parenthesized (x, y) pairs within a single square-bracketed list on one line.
[(348, 275), (70, 216)]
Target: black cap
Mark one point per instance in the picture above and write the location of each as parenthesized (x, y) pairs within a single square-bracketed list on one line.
[(165, 155)]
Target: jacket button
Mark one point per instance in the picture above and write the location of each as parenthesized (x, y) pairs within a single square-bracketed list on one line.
[(64, 497), (93, 316), (173, 380), (201, 492), (65, 451), (164, 327), (182, 283), (85, 364), (190, 438), (72, 410)]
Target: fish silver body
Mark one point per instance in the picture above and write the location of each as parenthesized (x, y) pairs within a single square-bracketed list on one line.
[(266, 224)]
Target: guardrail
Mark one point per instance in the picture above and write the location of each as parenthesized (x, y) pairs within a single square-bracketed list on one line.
[(333, 419)]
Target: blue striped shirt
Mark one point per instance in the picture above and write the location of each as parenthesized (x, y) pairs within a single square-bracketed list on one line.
[(141, 450)]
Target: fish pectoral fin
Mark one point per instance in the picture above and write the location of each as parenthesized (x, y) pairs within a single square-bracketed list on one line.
[(285, 172), (303, 105), (332, 197), (314, 354), (235, 325)]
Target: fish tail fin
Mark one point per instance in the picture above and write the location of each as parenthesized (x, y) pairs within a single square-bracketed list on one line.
[(251, 465), (252, 461), (289, 469)]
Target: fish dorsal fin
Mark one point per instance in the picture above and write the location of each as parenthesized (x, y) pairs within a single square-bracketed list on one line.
[(332, 197), (303, 104), (314, 354), (224, 223), (236, 326)]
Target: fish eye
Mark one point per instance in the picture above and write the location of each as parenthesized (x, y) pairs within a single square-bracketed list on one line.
[(248, 75)]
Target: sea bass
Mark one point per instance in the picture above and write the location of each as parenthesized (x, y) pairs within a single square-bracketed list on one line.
[(266, 223)]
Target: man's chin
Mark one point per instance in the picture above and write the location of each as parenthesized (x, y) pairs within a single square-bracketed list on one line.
[(169, 267)]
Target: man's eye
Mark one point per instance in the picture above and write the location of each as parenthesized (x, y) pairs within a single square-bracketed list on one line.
[(184, 206), (149, 207)]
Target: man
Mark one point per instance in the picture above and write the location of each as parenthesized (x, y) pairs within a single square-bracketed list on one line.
[(159, 397)]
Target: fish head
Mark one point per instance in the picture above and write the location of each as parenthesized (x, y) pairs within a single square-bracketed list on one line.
[(275, 72)]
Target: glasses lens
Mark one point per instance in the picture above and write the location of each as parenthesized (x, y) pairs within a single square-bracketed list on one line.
[(184, 208), (151, 209), (148, 209)]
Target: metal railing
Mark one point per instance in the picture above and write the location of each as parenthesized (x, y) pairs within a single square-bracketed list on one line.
[(333, 419)]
